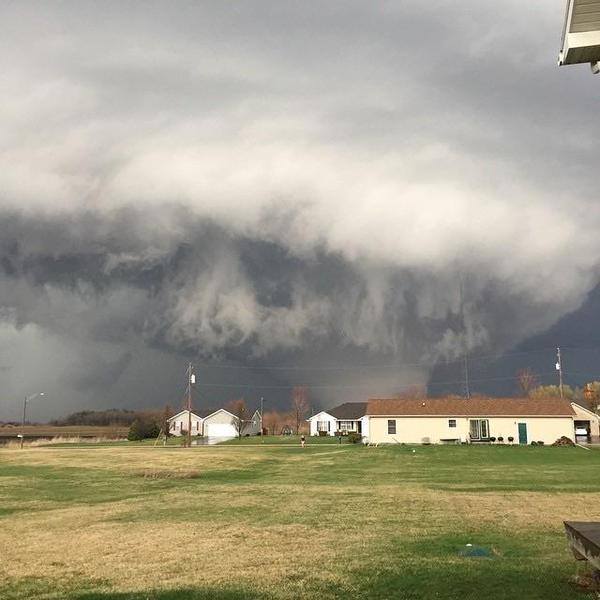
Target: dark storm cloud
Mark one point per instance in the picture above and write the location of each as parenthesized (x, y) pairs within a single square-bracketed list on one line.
[(282, 181)]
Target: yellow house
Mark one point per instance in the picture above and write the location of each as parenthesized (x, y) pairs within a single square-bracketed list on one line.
[(478, 419)]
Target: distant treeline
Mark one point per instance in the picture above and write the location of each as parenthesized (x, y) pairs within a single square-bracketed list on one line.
[(103, 418)]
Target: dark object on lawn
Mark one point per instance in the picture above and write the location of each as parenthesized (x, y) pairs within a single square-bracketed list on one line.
[(511, 439), (588, 582), (353, 438), (492, 439), (534, 443), (323, 433), (470, 551), (584, 540), (540, 443), (500, 439), (564, 441)]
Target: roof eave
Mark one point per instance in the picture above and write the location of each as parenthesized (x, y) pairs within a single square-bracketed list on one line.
[(470, 416)]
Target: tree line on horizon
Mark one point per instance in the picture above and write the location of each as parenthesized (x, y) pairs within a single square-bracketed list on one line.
[(274, 422), (277, 421), (529, 387)]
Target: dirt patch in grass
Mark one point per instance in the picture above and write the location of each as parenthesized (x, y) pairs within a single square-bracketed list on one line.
[(169, 474)]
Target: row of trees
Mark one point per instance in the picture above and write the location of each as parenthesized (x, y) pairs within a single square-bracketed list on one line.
[(150, 424), (101, 418), (530, 387), (274, 421)]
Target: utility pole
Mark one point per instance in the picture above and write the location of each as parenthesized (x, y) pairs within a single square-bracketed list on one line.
[(27, 399), (560, 373), (191, 379), (262, 431), (23, 422), (466, 371)]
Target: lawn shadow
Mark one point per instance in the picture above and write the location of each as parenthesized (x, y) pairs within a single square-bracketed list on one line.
[(443, 567), (203, 593), (469, 579)]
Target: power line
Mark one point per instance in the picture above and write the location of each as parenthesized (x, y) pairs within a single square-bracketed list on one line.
[(355, 385), (370, 366)]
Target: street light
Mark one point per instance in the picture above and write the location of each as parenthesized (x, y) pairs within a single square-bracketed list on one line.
[(262, 431), (27, 399)]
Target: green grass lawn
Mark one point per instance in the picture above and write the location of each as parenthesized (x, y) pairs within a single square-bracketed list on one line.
[(276, 521), (288, 440)]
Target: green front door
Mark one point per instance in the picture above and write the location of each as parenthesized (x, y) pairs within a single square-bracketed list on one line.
[(522, 433)]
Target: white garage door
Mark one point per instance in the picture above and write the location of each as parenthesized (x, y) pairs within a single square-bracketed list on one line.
[(224, 430)]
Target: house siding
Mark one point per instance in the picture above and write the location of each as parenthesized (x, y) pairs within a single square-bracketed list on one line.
[(222, 417), (323, 416), (419, 430), (253, 428), (365, 428), (180, 422), (225, 423), (581, 414)]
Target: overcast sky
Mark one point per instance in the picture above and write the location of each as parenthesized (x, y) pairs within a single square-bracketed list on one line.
[(262, 184)]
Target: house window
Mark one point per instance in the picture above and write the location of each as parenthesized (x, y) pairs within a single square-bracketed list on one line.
[(346, 425), (322, 425), (451, 422), (391, 426), (479, 429)]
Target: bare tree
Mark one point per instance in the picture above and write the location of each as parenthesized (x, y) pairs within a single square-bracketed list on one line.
[(527, 381), (165, 421), (591, 394), (271, 421), (299, 404), (276, 421), (239, 409)]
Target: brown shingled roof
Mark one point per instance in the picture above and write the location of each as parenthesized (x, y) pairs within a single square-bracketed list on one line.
[(473, 407)]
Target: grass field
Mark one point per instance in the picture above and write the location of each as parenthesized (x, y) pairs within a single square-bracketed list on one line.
[(287, 440), (329, 521), (50, 431)]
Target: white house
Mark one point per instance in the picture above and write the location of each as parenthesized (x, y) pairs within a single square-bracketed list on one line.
[(344, 419), (222, 423), (456, 420), (473, 420), (215, 424), (179, 423)]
